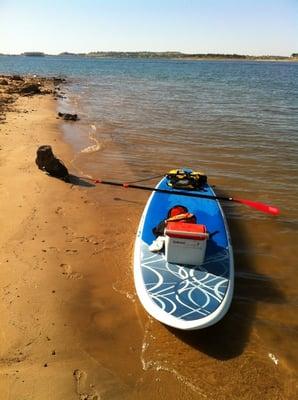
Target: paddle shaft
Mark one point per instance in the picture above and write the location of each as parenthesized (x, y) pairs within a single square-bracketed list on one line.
[(176, 192), (257, 205)]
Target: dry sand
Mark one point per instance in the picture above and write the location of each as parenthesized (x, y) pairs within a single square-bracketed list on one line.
[(51, 245), (38, 346)]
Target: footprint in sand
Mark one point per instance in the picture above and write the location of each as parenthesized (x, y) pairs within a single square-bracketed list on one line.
[(59, 211), (80, 378), (71, 251), (69, 273)]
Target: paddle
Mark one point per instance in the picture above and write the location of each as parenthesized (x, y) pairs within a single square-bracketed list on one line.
[(254, 204)]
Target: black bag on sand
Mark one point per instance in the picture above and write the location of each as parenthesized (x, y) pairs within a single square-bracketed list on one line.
[(46, 161)]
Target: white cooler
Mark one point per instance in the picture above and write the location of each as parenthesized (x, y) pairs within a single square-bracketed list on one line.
[(185, 243)]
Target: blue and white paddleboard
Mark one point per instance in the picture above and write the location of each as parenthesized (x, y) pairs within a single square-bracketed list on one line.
[(182, 296)]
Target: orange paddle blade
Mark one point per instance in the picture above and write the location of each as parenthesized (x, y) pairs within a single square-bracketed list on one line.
[(266, 208)]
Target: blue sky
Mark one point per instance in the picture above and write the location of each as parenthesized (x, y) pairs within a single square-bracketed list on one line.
[(191, 26)]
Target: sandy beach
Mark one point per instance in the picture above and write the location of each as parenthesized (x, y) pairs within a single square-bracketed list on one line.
[(36, 261), (49, 243), (71, 325)]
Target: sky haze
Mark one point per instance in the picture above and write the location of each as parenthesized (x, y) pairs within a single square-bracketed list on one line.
[(253, 27)]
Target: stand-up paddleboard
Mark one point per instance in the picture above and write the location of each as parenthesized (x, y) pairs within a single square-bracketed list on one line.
[(180, 295)]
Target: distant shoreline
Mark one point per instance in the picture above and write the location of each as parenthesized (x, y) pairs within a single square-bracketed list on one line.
[(163, 55)]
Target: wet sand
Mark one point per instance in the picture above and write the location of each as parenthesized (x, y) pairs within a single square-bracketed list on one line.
[(71, 324)]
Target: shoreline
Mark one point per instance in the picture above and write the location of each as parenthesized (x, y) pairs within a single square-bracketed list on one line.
[(167, 55), (163, 58), (52, 249)]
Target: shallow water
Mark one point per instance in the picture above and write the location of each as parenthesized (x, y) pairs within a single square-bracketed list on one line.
[(238, 122)]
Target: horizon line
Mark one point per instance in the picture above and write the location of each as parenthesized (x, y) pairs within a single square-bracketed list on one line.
[(148, 52)]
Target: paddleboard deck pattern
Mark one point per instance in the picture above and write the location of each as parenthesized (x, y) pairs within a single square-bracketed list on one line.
[(186, 292)]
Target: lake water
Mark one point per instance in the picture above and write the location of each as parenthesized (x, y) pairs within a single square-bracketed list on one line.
[(237, 122)]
